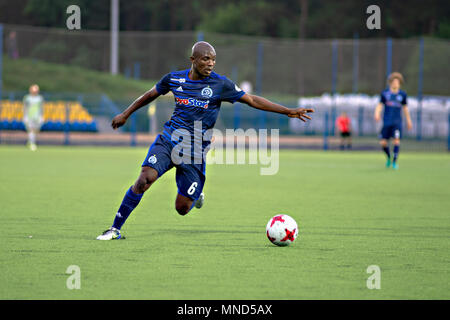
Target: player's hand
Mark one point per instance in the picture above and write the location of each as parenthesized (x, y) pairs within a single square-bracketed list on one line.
[(377, 118), (118, 121), (409, 125), (300, 113)]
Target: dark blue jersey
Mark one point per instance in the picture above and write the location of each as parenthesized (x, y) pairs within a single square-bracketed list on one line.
[(196, 100), (393, 103)]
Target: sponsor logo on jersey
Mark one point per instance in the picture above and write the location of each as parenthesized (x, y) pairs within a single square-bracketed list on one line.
[(393, 104), (180, 89), (180, 80), (207, 92), (191, 102)]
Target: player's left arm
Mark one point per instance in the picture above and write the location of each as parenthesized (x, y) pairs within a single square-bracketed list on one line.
[(406, 111), (407, 116), (41, 110), (264, 104)]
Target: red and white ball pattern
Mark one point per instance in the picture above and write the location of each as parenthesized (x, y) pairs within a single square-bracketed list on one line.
[(282, 230)]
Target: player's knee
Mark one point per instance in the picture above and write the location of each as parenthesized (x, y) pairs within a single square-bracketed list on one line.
[(145, 180), (182, 208), (183, 205), (397, 142), (383, 143), (141, 185)]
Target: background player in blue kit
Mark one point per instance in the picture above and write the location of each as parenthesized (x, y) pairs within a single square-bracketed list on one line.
[(394, 101), (198, 94)]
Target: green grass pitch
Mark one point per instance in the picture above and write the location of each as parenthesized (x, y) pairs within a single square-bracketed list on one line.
[(351, 211)]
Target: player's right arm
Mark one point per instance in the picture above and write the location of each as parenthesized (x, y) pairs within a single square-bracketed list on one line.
[(378, 109), (25, 107), (143, 100)]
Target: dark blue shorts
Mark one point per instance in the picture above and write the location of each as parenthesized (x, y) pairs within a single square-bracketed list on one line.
[(190, 178), (392, 131)]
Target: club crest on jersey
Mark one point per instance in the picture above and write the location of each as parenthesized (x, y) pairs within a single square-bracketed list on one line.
[(207, 92), (152, 159), (191, 102)]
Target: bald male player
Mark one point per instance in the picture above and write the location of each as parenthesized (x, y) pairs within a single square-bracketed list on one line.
[(198, 94)]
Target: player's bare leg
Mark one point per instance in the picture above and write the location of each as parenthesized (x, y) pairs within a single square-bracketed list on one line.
[(184, 204), (146, 178), (342, 143), (349, 142), (31, 138)]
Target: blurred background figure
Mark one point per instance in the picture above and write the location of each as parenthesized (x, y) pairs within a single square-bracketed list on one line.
[(32, 114), (153, 124), (246, 86), (13, 52), (392, 102), (344, 127)]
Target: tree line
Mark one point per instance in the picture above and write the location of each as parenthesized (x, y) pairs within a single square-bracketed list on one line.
[(271, 18)]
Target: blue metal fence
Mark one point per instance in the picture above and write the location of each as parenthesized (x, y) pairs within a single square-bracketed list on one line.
[(259, 60)]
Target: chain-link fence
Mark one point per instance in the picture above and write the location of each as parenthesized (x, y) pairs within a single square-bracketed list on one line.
[(278, 66), (281, 69)]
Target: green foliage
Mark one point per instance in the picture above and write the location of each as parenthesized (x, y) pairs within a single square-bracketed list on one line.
[(52, 13), (19, 74), (281, 18), (444, 29), (48, 12), (262, 18), (49, 50)]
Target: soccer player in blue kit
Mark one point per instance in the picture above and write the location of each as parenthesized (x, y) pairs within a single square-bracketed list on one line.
[(394, 102), (198, 94)]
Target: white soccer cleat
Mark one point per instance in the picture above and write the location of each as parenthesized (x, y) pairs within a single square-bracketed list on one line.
[(110, 234), (200, 201)]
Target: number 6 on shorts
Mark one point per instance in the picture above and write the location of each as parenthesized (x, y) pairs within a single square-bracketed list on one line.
[(191, 189)]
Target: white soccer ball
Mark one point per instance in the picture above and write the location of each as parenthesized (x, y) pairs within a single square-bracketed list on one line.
[(282, 230)]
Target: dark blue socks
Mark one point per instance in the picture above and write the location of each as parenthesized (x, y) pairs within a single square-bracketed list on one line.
[(396, 151), (388, 153), (129, 202)]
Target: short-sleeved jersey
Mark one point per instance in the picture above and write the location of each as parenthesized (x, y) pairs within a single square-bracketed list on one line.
[(33, 106), (196, 100), (393, 103)]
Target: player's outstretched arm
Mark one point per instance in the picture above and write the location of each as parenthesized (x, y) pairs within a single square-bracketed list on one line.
[(143, 100), (266, 105)]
